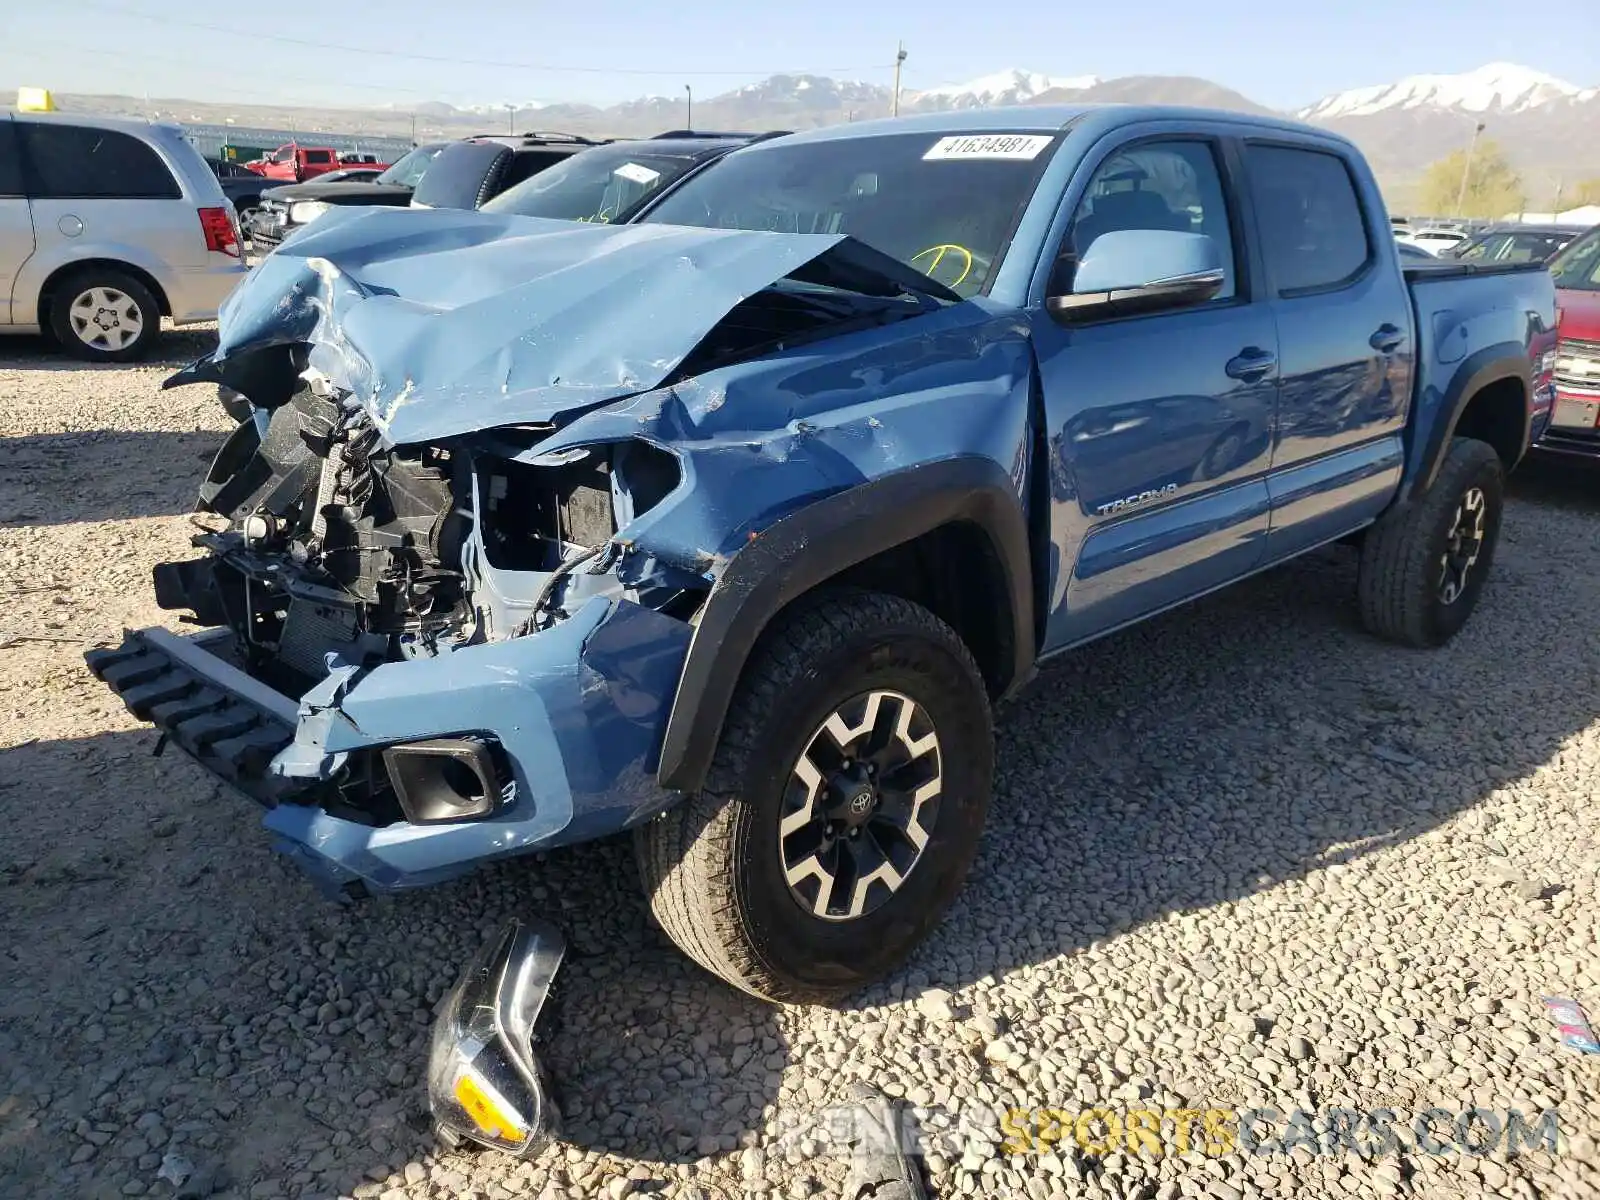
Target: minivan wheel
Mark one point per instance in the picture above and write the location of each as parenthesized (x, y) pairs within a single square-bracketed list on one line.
[(104, 316), (843, 806)]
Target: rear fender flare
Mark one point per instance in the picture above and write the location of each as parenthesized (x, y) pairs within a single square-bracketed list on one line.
[(1436, 422), (817, 543)]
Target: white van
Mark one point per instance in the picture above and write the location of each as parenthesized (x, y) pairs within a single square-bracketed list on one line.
[(106, 226)]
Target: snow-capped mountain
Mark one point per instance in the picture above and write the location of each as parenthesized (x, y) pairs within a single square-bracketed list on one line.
[(1003, 87), (1498, 87)]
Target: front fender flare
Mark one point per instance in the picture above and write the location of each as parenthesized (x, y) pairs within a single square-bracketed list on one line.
[(817, 543)]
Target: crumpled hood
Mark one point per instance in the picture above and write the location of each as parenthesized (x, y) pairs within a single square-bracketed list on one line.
[(445, 322)]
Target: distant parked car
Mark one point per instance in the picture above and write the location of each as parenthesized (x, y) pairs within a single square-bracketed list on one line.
[(1434, 239), (1515, 243), (283, 209), (244, 186), (609, 184), (106, 225), (1575, 423), (294, 163), (471, 172), (1410, 253)]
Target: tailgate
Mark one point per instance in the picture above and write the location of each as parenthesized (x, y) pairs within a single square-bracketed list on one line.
[(231, 724)]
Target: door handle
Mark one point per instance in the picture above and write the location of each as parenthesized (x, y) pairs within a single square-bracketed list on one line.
[(1251, 364), (1386, 339)]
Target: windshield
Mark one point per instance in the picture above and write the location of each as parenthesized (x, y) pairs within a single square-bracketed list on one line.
[(602, 185), (1578, 266), (410, 169), (1516, 247), (942, 204)]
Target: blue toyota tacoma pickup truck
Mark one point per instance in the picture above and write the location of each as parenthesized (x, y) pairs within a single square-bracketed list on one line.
[(732, 525)]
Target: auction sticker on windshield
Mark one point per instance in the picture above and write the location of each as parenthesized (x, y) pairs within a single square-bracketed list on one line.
[(989, 145), (634, 173)]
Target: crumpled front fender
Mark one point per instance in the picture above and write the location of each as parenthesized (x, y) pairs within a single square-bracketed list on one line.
[(579, 710)]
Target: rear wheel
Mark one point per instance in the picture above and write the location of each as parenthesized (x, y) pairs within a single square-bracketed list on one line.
[(842, 809), (104, 315), (1423, 564)]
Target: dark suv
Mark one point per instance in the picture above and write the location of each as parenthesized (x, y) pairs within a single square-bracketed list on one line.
[(609, 184), (469, 173)]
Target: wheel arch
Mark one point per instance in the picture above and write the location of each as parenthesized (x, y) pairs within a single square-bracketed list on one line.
[(912, 533), (1487, 398), (47, 290)]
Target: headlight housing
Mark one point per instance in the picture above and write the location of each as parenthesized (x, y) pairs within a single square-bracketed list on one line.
[(303, 212), (484, 1082)]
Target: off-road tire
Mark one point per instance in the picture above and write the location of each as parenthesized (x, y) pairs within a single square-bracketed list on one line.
[(1399, 584), (712, 867), (69, 288)]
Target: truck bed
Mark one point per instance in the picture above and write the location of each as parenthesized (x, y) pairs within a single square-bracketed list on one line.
[(1491, 308)]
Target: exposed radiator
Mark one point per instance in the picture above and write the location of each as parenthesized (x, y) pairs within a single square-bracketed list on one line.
[(311, 630)]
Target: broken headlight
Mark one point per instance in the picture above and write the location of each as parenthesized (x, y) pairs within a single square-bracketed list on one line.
[(484, 1082)]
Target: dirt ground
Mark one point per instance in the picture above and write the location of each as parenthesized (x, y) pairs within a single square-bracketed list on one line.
[(1244, 854)]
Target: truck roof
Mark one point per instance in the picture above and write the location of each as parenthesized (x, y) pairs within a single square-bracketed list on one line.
[(1050, 118)]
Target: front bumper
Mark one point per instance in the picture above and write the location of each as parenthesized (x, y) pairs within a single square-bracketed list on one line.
[(1574, 424), (577, 711), (267, 228)]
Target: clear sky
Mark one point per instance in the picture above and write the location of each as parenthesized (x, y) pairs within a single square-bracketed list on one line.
[(1282, 54)]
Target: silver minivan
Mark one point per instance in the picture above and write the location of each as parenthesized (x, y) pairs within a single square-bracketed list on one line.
[(107, 225)]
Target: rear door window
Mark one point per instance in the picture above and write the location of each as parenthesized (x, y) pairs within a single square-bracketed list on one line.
[(70, 162), (320, 157), (10, 162), (1313, 232)]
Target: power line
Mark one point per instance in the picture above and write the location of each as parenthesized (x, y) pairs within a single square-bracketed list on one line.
[(463, 62), (232, 71)]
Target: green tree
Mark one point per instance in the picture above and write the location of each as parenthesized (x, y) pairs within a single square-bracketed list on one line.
[(1493, 187)]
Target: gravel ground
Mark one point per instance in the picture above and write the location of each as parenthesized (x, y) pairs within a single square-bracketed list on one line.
[(1242, 856)]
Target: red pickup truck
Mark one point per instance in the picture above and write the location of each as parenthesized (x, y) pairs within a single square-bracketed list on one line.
[(1575, 422), (297, 163)]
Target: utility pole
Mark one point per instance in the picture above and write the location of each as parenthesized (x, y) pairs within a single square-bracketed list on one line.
[(1466, 171), (511, 119), (689, 119), (899, 58), (1555, 211), (413, 129)]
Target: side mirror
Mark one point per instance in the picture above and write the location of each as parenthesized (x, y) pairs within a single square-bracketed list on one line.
[(1141, 270)]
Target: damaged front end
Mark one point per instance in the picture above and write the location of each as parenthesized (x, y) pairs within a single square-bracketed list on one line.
[(454, 561), (477, 667)]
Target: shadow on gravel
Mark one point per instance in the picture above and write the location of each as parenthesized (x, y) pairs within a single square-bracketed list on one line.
[(1123, 798), (1571, 483), (101, 475), (169, 984), (186, 971), (175, 348)]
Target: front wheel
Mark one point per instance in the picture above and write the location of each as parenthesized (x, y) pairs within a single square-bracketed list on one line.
[(1423, 563), (843, 806), (104, 315)]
